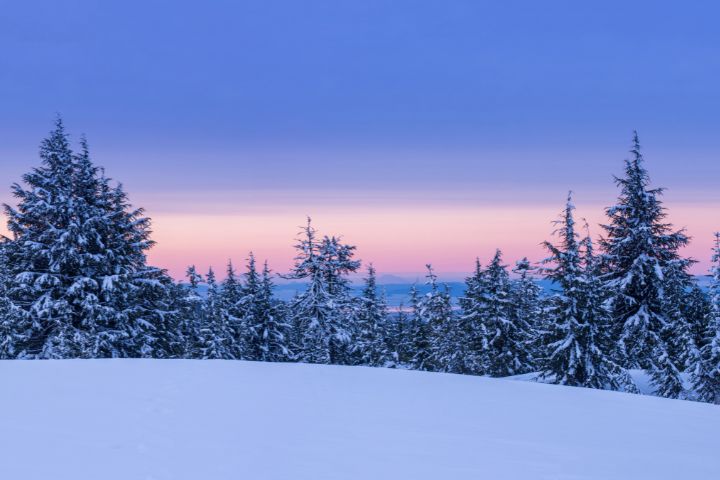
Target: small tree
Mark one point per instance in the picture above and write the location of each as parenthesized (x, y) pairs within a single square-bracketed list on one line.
[(526, 309), (231, 295), (506, 341), (434, 317), (215, 335), (321, 314), (267, 330), (474, 344), (369, 346), (192, 315)]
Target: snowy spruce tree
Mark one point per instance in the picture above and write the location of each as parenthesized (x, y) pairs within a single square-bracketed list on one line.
[(321, 314), (640, 252), (705, 373), (231, 295), (369, 342), (267, 332), (215, 337), (434, 348), (77, 260), (419, 330), (526, 308), (473, 347), (250, 309), (576, 343), (192, 314), (507, 350)]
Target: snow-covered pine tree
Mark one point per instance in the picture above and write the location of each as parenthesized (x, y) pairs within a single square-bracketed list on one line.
[(267, 337), (640, 250), (215, 336), (420, 334), (192, 315), (574, 345), (250, 310), (369, 346), (337, 263), (231, 294), (39, 255), (143, 295), (473, 347), (77, 258), (434, 312), (705, 373), (507, 352), (526, 310), (274, 329), (321, 313)]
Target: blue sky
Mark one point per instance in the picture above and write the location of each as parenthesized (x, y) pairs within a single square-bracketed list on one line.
[(195, 104)]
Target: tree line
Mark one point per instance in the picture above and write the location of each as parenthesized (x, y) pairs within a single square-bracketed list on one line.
[(75, 283)]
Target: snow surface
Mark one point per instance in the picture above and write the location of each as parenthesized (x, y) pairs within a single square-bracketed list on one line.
[(183, 419)]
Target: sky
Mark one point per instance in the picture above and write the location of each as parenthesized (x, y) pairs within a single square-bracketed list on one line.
[(422, 131)]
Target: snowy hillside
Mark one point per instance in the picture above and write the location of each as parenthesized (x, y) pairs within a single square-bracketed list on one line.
[(155, 419)]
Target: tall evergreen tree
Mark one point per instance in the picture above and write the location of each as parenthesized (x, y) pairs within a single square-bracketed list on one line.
[(77, 259), (574, 354), (640, 251), (706, 371)]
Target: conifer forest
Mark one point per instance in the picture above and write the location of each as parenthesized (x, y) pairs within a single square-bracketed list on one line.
[(75, 283)]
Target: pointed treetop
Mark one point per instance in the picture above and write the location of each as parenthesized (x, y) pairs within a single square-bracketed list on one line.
[(210, 277), (497, 259), (371, 272), (432, 278), (230, 269), (478, 267), (636, 143)]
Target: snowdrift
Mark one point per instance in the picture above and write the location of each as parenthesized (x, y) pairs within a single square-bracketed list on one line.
[(165, 419)]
